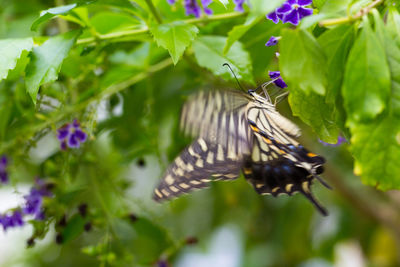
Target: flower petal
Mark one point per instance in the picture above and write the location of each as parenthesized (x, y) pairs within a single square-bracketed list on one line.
[(171, 2), (274, 74), (80, 135), (63, 132), (304, 12), (272, 41), (3, 161), (273, 16), (72, 141), (304, 2), (63, 145), (284, 8), (75, 123), (291, 17), (3, 177), (280, 83), (207, 11)]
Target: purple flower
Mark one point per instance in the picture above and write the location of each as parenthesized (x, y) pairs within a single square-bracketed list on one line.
[(340, 141), (71, 135), (11, 220), (171, 2), (291, 11), (239, 5), (277, 79), (205, 3), (192, 8), (34, 200), (3, 171), (272, 41)]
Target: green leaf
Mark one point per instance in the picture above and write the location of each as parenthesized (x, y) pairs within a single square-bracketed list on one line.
[(175, 37), (336, 44), (262, 7), (238, 31), (48, 14), (319, 3), (208, 51), (73, 229), (302, 62), (366, 85), (312, 109), (389, 34), (10, 52), (46, 61), (376, 148), (327, 9), (105, 22)]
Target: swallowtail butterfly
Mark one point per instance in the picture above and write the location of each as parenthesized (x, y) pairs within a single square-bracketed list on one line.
[(236, 131)]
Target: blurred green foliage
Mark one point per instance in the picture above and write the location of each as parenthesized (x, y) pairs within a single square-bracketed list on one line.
[(124, 69)]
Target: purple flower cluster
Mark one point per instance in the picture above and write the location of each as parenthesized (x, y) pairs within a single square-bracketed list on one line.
[(192, 7), (71, 135), (34, 201), (11, 219), (3, 169), (291, 11), (33, 206), (277, 79)]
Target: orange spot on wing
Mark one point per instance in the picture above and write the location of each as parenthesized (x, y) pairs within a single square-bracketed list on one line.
[(254, 128), (267, 140), (311, 154)]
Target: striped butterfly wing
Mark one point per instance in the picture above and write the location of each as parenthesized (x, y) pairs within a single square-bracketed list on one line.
[(278, 163), (198, 165), (219, 117), (218, 120)]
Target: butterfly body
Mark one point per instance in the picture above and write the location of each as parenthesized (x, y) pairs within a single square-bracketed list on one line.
[(240, 132)]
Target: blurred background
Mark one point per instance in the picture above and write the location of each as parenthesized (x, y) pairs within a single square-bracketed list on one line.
[(134, 135)]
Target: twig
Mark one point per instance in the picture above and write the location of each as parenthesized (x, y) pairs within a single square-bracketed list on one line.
[(154, 11), (28, 133), (145, 29), (358, 15)]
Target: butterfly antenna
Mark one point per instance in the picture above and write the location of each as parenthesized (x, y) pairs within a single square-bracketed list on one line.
[(226, 64)]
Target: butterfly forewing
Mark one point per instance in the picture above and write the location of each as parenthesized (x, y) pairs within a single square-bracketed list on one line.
[(219, 117)]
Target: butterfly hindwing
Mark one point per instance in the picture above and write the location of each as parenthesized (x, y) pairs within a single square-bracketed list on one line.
[(218, 117), (198, 165), (278, 164)]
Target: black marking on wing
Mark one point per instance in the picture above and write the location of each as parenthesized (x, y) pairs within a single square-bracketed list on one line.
[(284, 176), (198, 165)]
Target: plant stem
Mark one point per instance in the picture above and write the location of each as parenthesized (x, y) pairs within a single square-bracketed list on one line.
[(28, 133), (145, 29), (154, 11), (361, 13)]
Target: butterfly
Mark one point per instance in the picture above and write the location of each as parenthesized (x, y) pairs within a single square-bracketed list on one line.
[(237, 131)]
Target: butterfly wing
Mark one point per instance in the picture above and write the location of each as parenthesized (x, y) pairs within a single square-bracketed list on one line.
[(279, 164), (198, 165), (218, 120), (219, 117)]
